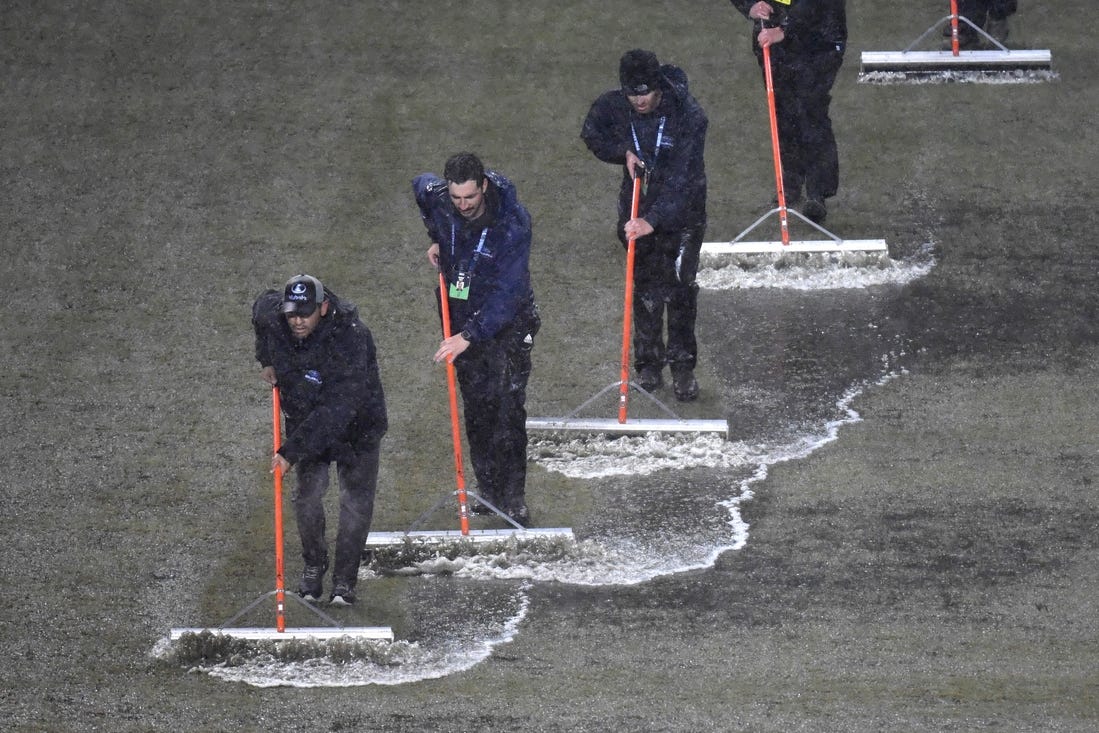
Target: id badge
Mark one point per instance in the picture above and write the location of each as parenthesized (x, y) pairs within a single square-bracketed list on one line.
[(459, 289), (645, 182)]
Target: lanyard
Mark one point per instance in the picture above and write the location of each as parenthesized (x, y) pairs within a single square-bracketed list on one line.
[(659, 137), (476, 253)]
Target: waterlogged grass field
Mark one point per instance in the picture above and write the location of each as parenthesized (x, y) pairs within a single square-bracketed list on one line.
[(931, 568)]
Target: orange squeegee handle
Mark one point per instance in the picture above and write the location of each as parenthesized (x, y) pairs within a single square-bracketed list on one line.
[(631, 248), (280, 582), (781, 193), (954, 39), (455, 431)]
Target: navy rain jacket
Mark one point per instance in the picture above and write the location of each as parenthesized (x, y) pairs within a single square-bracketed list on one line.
[(499, 288), (676, 195), (328, 383)]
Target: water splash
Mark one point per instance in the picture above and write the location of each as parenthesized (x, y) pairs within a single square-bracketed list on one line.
[(812, 272), (447, 649)]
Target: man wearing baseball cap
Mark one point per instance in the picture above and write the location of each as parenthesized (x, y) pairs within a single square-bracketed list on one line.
[(314, 348)]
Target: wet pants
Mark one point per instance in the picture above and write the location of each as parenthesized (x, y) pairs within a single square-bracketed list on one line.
[(665, 266), (358, 480), (493, 377), (803, 94)]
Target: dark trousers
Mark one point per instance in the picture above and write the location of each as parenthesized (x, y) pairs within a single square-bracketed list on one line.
[(358, 480), (803, 94), (979, 11), (493, 377), (665, 266)]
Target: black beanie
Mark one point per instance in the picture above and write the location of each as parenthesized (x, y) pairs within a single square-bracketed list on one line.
[(639, 72)]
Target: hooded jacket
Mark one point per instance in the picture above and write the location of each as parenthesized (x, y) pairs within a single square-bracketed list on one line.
[(671, 141), (494, 252), (328, 383)]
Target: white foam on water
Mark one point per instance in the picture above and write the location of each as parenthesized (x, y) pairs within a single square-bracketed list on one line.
[(813, 272), (385, 663), (959, 76), (617, 555), (622, 559)]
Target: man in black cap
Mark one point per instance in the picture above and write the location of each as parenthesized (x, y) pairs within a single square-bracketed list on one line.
[(655, 129), (314, 348), (807, 39)]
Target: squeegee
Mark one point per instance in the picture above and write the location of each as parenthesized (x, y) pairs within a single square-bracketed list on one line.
[(833, 243), (995, 63), (280, 630), (624, 424), (412, 536)]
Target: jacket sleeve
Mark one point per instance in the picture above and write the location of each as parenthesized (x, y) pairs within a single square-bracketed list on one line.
[(743, 6), (668, 210), (352, 391), (604, 130), (429, 191)]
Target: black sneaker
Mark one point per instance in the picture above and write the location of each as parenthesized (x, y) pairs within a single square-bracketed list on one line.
[(476, 507), (342, 595), (685, 386), (312, 582), (520, 515), (815, 211), (650, 379)]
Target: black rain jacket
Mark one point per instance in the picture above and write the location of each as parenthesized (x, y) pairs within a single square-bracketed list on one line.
[(329, 385), (675, 198), (811, 27)]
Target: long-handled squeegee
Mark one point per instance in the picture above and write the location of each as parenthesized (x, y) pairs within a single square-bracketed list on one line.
[(995, 63), (281, 632), (379, 540), (834, 244), (625, 424)]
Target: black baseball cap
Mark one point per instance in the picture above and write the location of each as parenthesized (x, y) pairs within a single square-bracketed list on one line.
[(302, 295)]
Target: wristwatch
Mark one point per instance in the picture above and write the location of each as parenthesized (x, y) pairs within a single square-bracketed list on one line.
[(467, 336)]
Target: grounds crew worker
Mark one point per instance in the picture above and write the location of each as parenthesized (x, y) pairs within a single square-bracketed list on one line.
[(480, 240), (655, 129), (807, 39), (314, 348)]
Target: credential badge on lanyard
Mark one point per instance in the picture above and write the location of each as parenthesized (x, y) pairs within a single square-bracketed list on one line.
[(459, 289), (647, 168)]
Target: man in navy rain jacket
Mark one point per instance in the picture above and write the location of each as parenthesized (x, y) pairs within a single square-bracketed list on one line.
[(314, 348), (480, 240), (655, 129)]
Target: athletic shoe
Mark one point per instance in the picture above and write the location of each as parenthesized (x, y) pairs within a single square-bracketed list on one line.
[(685, 386), (312, 582), (815, 211), (650, 379), (520, 515), (342, 595), (476, 507)]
